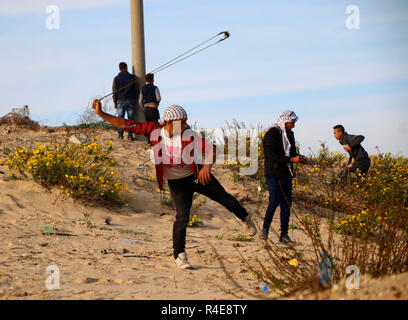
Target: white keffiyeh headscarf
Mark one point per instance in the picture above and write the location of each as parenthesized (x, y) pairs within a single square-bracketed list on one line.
[(286, 116), (173, 112)]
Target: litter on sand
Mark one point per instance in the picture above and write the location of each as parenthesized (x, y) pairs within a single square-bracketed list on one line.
[(293, 262)]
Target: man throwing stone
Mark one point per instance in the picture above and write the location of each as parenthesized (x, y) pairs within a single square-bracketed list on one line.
[(178, 155)]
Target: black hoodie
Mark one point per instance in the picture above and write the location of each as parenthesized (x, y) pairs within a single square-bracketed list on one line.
[(357, 152)]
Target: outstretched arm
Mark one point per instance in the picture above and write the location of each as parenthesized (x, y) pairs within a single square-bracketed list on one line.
[(115, 121)]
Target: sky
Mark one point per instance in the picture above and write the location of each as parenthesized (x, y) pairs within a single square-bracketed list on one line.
[(297, 55)]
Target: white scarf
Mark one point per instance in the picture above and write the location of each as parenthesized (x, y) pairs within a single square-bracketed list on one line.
[(286, 116)]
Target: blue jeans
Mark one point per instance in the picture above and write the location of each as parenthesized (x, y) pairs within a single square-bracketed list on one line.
[(277, 198), (123, 107)]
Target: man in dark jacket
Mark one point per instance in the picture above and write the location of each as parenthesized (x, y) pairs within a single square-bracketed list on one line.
[(149, 99), (352, 144), (125, 99), (280, 154)]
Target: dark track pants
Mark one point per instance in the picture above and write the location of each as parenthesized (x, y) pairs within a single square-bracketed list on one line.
[(182, 191), (361, 165), (151, 113)]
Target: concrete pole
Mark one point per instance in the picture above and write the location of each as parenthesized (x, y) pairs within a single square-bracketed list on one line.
[(138, 49)]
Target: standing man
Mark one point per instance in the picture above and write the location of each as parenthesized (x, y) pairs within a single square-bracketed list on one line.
[(280, 154), (149, 99), (125, 99), (178, 153), (352, 144)]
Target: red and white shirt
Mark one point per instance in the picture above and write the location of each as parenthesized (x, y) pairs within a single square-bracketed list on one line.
[(176, 157)]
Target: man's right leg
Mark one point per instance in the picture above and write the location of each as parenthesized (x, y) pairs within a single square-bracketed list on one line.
[(156, 114), (285, 205), (182, 193), (273, 188), (121, 114), (216, 192)]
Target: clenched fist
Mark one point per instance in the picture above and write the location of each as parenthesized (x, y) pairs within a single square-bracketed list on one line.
[(97, 105)]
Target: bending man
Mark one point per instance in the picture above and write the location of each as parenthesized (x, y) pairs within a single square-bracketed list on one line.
[(352, 144)]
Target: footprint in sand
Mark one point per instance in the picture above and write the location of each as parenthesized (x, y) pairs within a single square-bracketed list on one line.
[(85, 292), (14, 201), (87, 280)]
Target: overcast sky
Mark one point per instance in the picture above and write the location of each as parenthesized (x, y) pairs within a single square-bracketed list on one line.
[(281, 55)]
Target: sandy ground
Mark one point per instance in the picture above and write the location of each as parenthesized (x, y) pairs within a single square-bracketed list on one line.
[(133, 260)]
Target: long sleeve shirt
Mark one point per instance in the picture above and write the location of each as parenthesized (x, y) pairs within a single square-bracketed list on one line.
[(357, 152), (121, 80)]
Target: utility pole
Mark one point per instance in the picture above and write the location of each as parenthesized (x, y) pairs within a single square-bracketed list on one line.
[(138, 49)]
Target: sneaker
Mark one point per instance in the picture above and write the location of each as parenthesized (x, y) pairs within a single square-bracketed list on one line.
[(182, 261), (284, 239), (249, 226)]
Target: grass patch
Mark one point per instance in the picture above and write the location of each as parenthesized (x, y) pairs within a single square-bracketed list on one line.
[(240, 237), (130, 232), (122, 231), (87, 220)]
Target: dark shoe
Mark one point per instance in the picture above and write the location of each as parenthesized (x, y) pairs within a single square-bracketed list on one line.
[(120, 137), (131, 138), (284, 239), (264, 234)]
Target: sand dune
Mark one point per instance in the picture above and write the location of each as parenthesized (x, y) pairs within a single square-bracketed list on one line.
[(132, 257)]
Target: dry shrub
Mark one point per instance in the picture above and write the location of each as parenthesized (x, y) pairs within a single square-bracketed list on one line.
[(361, 222), (19, 118)]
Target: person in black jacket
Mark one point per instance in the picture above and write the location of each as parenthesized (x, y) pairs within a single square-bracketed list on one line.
[(280, 154), (149, 99), (352, 144), (125, 99)]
